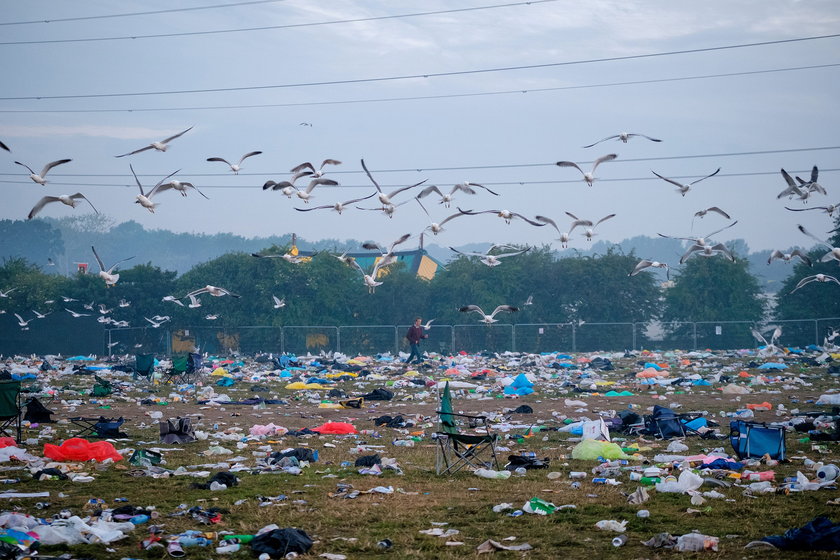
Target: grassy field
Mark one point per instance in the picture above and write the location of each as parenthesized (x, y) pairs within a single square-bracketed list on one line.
[(421, 500)]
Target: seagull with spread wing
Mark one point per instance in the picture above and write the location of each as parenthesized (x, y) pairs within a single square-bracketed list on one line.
[(815, 278), (624, 137), (107, 274), (833, 252), (315, 172), (588, 176), (683, 188), (159, 146), (213, 291), (589, 225), (145, 199), (489, 259), (71, 200), (41, 178), (787, 257), (645, 263), (446, 199), (235, 167), (384, 198), (485, 318), (338, 206)]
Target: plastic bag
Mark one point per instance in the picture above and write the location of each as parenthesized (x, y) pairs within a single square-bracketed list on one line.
[(78, 449), (592, 449), (612, 525), (336, 428)]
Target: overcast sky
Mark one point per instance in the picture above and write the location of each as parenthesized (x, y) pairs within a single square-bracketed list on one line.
[(504, 129)]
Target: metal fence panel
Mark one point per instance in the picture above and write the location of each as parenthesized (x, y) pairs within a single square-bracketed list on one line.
[(666, 336), (797, 332), (368, 339), (475, 338), (301, 339), (57, 333), (543, 337), (725, 335), (137, 340), (591, 337)]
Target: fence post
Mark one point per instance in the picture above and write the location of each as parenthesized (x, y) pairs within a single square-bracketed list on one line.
[(396, 342), (574, 339), (694, 335), (816, 333), (338, 339), (634, 337), (513, 338)]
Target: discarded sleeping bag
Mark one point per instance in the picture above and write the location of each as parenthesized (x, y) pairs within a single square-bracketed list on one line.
[(368, 461), (379, 395), (516, 461), (221, 477), (818, 534), (78, 449), (279, 542), (335, 428)]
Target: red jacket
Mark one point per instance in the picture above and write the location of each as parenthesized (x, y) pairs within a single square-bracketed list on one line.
[(414, 334)]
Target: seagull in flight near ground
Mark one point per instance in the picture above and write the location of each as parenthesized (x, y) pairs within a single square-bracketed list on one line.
[(315, 172), (278, 303), (194, 302), (41, 178), (235, 167), (589, 232), (288, 257), (776, 254), (159, 146), (107, 274), (830, 209), (833, 252), (40, 315), (683, 188), (213, 291), (388, 257), (624, 137), (769, 347), (71, 200), (24, 324), (173, 299), (492, 260), (645, 263), (488, 318), (155, 324), (370, 279), (7, 292), (815, 278), (338, 206), (506, 215), (589, 177), (124, 303), (385, 199)]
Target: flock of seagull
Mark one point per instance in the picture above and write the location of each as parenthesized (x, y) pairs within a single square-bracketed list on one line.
[(796, 188)]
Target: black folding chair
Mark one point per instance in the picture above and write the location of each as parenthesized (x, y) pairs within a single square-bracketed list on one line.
[(457, 450), (10, 410), (98, 427)]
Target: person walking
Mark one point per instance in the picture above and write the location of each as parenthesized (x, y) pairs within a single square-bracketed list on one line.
[(414, 336)]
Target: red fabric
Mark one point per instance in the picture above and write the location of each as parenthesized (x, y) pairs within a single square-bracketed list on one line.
[(78, 449), (7, 442), (335, 428)]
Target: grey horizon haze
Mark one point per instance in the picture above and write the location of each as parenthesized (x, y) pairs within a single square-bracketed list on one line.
[(487, 93)]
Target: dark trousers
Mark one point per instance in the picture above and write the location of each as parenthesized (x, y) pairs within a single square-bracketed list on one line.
[(415, 353)]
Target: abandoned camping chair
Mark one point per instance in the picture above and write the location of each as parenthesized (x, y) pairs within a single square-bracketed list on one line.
[(10, 409), (37, 413), (144, 366), (178, 431), (457, 450), (184, 368), (101, 387), (756, 439), (98, 427)]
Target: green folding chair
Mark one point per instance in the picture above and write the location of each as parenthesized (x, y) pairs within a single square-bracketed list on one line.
[(456, 450), (184, 368), (10, 409), (144, 366)]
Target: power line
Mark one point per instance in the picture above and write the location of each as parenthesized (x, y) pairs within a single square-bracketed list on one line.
[(425, 76), (576, 181), (276, 27), (149, 13), (429, 97), (476, 167)]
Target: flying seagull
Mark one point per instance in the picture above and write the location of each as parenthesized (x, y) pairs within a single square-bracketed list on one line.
[(145, 199), (235, 167), (683, 188), (181, 187), (7, 292), (71, 200), (446, 199), (645, 263), (624, 137), (159, 146), (213, 291), (565, 236), (589, 177), (702, 241), (589, 232), (506, 215), (488, 318), (708, 251), (388, 257), (787, 257), (830, 209), (108, 274), (74, 314), (278, 303), (833, 252), (306, 194), (815, 278), (436, 227), (173, 299), (286, 187), (338, 206), (315, 172), (492, 260), (41, 178), (385, 199)]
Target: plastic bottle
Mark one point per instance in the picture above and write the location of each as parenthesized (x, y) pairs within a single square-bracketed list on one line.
[(228, 548), (650, 480), (695, 542), (240, 539), (193, 541), (403, 443), (487, 473), (139, 519), (643, 514), (620, 540)]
